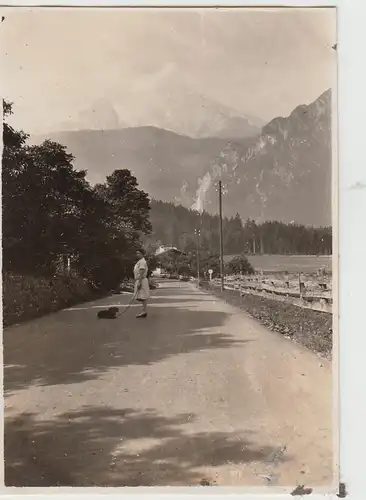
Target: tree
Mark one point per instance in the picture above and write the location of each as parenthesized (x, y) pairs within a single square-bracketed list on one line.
[(172, 262), (152, 262), (42, 203), (128, 204), (210, 260), (126, 210), (50, 211), (239, 264), (176, 225)]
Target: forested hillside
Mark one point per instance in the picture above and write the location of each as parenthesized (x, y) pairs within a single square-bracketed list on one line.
[(175, 225)]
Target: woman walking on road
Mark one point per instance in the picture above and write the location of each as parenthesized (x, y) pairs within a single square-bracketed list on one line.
[(142, 289)]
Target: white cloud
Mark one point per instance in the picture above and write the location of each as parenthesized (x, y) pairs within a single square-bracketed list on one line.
[(257, 62)]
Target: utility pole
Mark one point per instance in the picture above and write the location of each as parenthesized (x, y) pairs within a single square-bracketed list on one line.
[(221, 239), (198, 232), (241, 279)]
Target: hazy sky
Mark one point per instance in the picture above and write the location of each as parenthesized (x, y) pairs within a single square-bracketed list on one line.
[(158, 67)]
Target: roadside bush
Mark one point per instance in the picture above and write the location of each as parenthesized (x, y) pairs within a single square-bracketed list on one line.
[(27, 297), (239, 264)]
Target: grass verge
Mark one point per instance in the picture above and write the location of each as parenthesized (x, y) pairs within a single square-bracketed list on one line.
[(311, 329)]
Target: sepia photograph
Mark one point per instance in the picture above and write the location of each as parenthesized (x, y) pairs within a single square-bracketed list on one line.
[(169, 202)]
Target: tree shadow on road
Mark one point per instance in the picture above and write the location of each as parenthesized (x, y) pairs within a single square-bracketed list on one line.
[(108, 447), (182, 299), (74, 346)]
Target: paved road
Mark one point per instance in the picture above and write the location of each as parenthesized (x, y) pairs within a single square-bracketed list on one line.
[(198, 391)]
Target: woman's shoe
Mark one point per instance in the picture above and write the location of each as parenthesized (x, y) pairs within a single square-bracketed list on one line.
[(141, 315)]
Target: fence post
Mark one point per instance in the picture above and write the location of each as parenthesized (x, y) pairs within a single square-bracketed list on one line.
[(301, 285), (287, 280), (240, 281)]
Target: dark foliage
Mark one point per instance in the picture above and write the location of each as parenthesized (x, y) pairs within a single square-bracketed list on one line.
[(239, 264), (51, 214), (28, 297), (187, 263), (175, 225)]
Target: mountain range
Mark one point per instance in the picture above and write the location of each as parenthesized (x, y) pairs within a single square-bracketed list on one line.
[(281, 171), (195, 115), (283, 174)]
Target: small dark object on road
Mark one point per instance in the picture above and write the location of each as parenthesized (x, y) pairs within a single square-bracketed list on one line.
[(108, 313), (205, 482), (301, 491)]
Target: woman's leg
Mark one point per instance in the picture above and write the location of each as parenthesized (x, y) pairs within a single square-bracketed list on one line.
[(143, 313), (144, 294)]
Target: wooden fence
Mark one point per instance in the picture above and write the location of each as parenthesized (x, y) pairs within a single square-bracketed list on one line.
[(313, 294)]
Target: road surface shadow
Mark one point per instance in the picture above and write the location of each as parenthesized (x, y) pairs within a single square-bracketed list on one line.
[(74, 346), (108, 447), (163, 300)]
